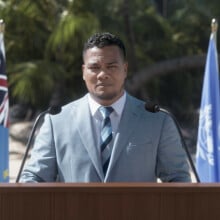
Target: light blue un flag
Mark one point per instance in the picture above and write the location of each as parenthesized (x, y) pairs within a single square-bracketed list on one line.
[(208, 144)]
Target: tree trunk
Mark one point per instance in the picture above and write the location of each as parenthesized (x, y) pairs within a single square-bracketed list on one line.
[(130, 36), (162, 68)]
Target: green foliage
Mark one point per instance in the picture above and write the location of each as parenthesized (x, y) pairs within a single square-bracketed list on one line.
[(155, 39), (44, 40), (68, 36), (192, 28), (32, 81)]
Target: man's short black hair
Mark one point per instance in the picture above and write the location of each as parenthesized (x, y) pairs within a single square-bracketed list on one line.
[(105, 39)]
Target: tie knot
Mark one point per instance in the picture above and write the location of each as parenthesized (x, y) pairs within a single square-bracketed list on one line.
[(106, 111)]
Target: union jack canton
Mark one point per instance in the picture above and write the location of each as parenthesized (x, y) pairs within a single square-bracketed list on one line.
[(4, 100)]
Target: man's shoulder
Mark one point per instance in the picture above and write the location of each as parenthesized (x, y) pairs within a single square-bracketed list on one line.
[(70, 108), (139, 105), (133, 99), (75, 103)]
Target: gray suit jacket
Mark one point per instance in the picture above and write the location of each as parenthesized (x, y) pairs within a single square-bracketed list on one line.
[(146, 147)]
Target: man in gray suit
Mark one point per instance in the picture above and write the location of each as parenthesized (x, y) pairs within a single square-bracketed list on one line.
[(127, 144)]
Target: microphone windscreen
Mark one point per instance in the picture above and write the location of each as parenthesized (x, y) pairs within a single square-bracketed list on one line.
[(152, 107), (53, 110)]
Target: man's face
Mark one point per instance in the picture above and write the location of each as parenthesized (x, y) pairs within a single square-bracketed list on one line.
[(104, 72)]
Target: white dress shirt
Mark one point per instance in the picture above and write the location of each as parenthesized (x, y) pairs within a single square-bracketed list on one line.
[(115, 116)]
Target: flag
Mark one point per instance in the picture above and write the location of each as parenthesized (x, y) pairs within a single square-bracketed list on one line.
[(208, 142), (4, 114)]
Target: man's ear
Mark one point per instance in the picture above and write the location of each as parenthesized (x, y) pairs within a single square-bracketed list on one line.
[(126, 69), (83, 68)]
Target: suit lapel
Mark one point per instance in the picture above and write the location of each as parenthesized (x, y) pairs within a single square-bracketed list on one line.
[(127, 126), (87, 134)]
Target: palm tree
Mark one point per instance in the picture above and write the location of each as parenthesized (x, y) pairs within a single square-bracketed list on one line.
[(41, 39)]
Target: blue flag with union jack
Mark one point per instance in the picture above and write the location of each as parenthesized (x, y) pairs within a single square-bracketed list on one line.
[(4, 116), (208, 144)]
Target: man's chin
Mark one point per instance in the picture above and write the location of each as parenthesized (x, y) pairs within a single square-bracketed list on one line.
[(106, 97)]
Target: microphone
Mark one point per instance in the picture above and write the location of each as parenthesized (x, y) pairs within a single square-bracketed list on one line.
[(53, 110), (154, 108)]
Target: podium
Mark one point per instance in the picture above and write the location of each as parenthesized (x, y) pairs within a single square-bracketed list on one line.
[(109, 201)]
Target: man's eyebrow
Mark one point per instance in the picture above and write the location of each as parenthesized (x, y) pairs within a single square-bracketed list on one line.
[(97, 64), (92, 64), (113, 62)]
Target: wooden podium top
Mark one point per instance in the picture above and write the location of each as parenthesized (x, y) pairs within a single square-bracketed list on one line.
[(113, 201), (121, 186)]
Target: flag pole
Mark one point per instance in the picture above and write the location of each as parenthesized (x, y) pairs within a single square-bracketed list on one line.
[(2, 26), (214, 28)]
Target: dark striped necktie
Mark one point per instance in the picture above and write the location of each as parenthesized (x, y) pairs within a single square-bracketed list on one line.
[(106, 136)]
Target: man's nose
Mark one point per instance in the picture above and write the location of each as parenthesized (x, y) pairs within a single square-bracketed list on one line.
[(103, 74)]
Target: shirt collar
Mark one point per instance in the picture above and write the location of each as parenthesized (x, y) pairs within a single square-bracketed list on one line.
[(118, 106)]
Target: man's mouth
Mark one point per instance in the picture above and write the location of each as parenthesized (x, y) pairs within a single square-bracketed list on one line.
[(103, 85)]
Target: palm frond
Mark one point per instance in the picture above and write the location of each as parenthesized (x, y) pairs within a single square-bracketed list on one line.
[(33, 82)]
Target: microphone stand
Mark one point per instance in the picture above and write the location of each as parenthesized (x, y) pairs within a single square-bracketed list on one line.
[(183, 143), (30, 139), (51, 110), (150, 106)]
